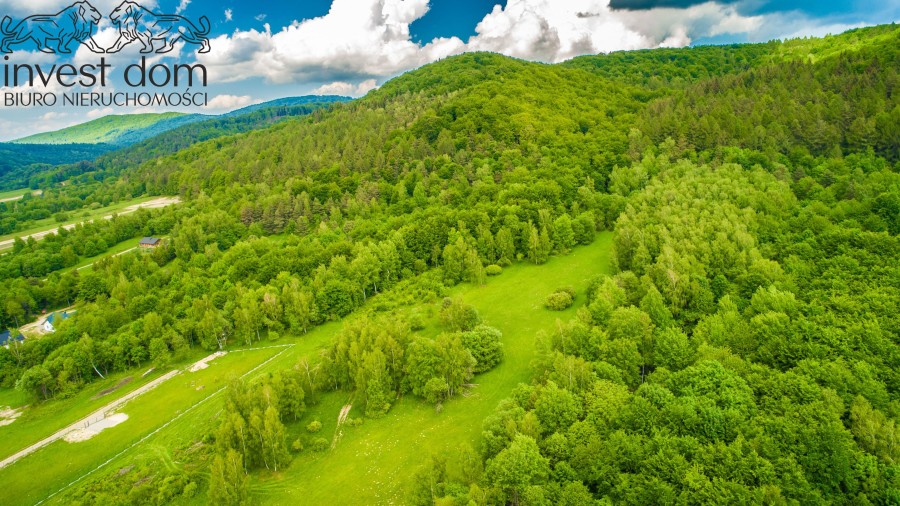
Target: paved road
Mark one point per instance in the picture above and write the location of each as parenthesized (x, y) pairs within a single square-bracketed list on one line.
[(89, 420)]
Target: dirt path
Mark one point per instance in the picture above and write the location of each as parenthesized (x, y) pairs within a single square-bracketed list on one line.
[(171, 421), (150, 204), (129, 250), (342, 417), (95, 417), (11, 199)]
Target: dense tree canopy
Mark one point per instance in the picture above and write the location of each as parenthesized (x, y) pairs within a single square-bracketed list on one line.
[(745, 351)]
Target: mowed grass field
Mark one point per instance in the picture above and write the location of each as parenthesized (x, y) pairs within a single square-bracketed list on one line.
[(44, 419), (372, 463), (37, 476)]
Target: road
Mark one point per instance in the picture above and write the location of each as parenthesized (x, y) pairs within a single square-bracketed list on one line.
[(89, 420), (285, 347), (150, 204), (10, 199)]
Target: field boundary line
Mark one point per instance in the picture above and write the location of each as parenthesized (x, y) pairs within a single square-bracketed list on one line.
[(161, 427), (88, 420)]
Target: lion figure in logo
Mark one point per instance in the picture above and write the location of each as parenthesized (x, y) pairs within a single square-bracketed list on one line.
[(76, 22), (137, 23)]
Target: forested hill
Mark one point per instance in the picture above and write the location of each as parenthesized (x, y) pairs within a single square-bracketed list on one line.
[(745, 351), (132, 141), (115, 129), (258, 116)]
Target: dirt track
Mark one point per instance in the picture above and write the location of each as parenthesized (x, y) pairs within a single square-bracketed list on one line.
[(93, 418), (150, 204), (12, 199)]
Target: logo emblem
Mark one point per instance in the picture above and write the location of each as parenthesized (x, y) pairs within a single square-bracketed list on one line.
[(145, 26), (54, 33)]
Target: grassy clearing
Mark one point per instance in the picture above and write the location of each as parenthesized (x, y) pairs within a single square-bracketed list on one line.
[(60, 463), (373, 462), (11, 194), (86, 262), (78, 216)]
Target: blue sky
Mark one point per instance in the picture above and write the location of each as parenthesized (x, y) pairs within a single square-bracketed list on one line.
[(266, 50)]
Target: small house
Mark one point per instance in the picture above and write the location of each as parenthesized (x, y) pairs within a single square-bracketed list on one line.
[(49, 323), (6, 338), (150, 242)]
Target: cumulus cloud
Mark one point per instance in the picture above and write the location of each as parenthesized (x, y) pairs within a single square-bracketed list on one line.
[(54, 116), (553, 31), (231, 101), (346, 89), (355, 41), (358, 40), (228, 14)]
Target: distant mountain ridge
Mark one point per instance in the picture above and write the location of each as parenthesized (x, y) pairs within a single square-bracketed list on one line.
[(115, 129), (138, 136), (120, 130)]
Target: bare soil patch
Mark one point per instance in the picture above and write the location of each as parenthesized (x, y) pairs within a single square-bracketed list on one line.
[(95, 428), (8, 415), (113, 388), (342, 417), (204, 363)]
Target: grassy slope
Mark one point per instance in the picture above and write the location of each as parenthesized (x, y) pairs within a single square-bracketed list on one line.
[(44, 419), (394, 446), (60, 463), (105, 130), (13, 193), (381, 452)]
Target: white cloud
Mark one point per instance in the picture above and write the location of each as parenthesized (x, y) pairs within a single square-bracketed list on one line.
[(552, 31), (22, 8), (346, 89), (99, 113), (231, 101), (228, 14), (357, 39), (182, 6), (260, 17)]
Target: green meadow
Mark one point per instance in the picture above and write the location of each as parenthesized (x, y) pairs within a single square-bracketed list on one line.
[(69, 462), (378, 452), (11, 194), (382, 452)]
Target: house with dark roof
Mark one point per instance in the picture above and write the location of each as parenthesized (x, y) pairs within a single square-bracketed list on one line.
[(51, 321), (150, 242), (6, 338)]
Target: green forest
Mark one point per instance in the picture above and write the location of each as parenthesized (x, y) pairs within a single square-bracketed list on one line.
[(743, 347)]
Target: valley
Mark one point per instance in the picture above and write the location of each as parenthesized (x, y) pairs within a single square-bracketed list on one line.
[(661, 276)]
